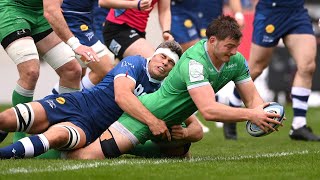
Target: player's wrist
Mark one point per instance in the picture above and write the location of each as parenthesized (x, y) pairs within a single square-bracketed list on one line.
[(74, 43)]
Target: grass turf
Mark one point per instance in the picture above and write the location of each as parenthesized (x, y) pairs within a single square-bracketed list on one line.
[(270, 157)]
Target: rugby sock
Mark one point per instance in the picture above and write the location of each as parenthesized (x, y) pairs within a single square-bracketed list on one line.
[(300, 98), (235, 99), (63, 89), (86, 82), (25, 148), (21, 95)]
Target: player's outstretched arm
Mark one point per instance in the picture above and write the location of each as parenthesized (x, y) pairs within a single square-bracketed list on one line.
[(211, 110)]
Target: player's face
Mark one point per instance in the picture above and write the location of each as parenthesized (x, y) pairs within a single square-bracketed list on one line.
[(160, 65), (224, 49)]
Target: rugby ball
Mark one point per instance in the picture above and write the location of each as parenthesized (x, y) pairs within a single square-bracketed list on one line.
[(273, 107)]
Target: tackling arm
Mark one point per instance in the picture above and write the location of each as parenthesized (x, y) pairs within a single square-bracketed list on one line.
[(128, 102)]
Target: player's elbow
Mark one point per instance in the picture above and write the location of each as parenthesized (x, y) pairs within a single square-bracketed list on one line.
[(48, 13), (198, 134), (210, 115)]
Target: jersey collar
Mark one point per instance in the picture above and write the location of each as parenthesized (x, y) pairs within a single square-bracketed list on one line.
[(209, 59)]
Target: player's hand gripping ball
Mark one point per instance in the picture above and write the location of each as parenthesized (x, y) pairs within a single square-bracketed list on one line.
[(273, 107)]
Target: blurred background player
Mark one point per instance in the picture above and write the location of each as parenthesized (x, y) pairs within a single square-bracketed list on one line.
[(289, 21), (80, 18), (190, 18), (26, 36), (124, 31)]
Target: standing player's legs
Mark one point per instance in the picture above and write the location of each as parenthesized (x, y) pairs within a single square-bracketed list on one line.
[(302, 47), (62, 59), (24, 54)]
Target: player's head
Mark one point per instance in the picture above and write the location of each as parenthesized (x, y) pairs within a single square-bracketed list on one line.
[(165, 57), (224, 35)]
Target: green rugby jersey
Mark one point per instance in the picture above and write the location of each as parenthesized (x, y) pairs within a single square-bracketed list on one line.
[(35, 4), (172, 101)]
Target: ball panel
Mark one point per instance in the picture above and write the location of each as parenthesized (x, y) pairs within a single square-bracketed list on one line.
[(273, 107)]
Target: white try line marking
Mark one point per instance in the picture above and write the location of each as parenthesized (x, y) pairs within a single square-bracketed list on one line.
[(85, 165)]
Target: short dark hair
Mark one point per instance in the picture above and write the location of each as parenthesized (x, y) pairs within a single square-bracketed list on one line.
[(173, 46), (223, 27)]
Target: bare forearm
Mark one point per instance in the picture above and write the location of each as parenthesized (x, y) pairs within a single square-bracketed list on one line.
[(224, 113), (194, 130), (53, 13), (131, 105)]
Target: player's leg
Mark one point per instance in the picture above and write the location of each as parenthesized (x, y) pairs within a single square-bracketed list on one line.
[(62, 136), (139, 47), (24, 54), (302, 47), (122, 41), (111, 144), (26, 117), (62, 59)]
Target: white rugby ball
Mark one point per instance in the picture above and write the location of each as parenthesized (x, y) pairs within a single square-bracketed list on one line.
[(273, 107)]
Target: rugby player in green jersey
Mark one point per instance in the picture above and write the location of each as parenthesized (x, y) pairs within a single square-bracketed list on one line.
[(191, 85)]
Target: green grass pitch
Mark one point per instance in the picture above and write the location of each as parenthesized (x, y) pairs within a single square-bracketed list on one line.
[(271, 157)]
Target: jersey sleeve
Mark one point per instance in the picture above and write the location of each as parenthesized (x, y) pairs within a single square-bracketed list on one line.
[(244, 72), (194, 74), (130, 67)]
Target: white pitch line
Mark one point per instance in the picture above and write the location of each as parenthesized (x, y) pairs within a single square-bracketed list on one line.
[(148, 161)]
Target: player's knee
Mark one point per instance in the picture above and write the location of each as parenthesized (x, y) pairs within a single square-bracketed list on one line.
[(70, 71), (22, 50), (67, 137), (306, 68), (30, 75), (25, 117), (110, 148)]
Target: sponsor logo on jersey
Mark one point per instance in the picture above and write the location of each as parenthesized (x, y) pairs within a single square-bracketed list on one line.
[(60, 100), (195, 71), (270, 28), (84, 27), (231, 66)]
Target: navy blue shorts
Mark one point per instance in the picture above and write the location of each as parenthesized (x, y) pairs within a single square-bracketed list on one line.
[(271, 24), (81, 25), (189, 19), (65, 108)]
